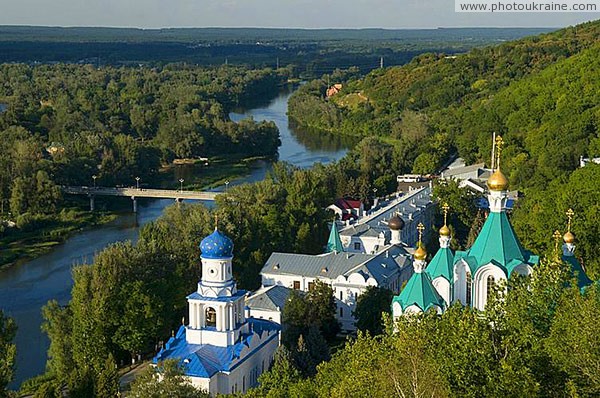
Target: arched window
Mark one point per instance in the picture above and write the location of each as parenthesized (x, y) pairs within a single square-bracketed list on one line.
[(211, 317), (469, 287), (491, 283)]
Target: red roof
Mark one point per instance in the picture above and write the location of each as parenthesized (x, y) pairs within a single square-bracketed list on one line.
[(347, 204)]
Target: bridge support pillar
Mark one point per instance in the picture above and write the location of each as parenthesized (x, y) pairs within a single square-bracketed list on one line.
[(92, 203), (133, 198)]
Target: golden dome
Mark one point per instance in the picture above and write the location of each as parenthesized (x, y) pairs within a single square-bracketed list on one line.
[(569, 237), (445, 231), (420, 253), (497, 181)]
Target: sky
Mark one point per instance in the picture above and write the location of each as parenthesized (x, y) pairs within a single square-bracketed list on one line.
[(268, 13)]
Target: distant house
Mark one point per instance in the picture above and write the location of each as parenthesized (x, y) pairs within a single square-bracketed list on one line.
[(476, 172), (347, 209), (583, 161), (333, 90)]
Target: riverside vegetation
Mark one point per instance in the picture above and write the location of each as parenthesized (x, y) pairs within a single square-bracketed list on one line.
[(65, 123), (536, 340)]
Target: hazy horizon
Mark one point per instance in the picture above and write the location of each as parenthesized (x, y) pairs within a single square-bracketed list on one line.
[(300, 14)]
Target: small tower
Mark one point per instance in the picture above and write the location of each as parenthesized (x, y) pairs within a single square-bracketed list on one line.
[(498, 183), (569, 238), (568, 254), (441, 267), (334, 243), (216, 309), (396, 224), (418, 295), (445, 231)]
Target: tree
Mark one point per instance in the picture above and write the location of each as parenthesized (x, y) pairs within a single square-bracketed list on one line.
[(574, 342), (370, 307), (107, 384), (8, 352), (277, 382), (164, 381), (396, 364), (322, 310)]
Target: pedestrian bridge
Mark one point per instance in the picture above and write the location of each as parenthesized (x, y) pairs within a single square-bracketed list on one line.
[(135, 193)]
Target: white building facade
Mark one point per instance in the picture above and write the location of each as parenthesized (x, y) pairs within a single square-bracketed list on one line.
[(221, 350), (348, 274)]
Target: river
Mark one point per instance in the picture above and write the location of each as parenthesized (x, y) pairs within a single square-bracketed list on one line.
[(26, 288)]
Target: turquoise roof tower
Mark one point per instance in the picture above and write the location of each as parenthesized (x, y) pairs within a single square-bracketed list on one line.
[(419, 291), (568, 256), (334, 243), (497, 243), (442, 264)]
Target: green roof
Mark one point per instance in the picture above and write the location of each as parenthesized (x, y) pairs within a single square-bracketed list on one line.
[(334, 244), (442, 264), (419, 291), (577, 271), (498, 243)]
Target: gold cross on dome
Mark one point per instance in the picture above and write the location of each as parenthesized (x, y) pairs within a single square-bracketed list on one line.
[(216, 222), (499, 143), (445, 208), (420, 228), (570, 213), (556, 236)]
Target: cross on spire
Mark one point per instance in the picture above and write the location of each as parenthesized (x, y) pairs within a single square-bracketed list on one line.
[(445, 209), (420, 228), (556, 237), (499, 143), (570, 213), (216, 222)]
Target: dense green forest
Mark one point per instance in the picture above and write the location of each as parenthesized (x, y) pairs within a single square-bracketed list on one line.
[(63, 124), (459, 100)]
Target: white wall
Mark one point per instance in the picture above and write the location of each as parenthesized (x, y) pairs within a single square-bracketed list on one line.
[(245, 373)]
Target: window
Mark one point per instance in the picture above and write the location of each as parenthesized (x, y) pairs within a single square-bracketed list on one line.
[(469, 286), (311, 285), (341, 295), (341, 312), (356, 245), (491, 283), (244, 384), (211, 317), (297, 285)]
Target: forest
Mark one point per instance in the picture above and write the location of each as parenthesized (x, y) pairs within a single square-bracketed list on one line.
[(63, 124), (311, 52), (538, 339)]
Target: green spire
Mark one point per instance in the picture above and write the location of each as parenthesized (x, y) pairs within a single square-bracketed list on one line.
[(334, 244)]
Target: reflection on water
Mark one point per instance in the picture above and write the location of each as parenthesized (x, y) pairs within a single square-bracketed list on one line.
[(26, 288), (316, 140), (299, 147)]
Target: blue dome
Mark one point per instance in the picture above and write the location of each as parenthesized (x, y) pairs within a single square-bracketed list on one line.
[(216, 245)]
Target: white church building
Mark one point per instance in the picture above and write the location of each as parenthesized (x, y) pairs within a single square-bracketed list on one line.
[(221, 350), (470, 276)]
